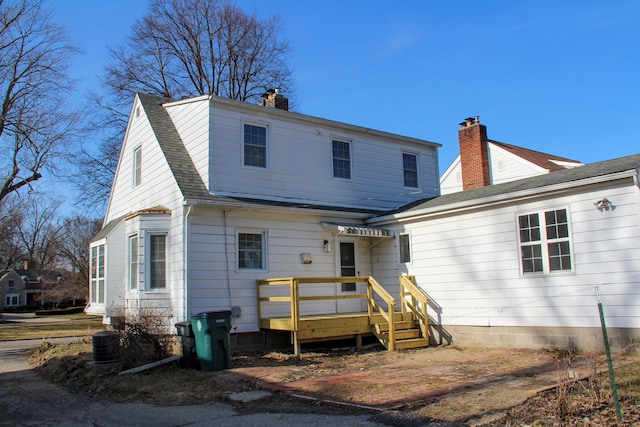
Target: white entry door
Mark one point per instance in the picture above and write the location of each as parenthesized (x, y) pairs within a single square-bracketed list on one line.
[(347, 265)]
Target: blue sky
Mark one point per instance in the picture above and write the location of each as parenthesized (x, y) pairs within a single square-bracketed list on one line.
[(556, 76)]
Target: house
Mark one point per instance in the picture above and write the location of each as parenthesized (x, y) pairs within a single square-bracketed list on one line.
[(12, 290), (524, 263), (27, 286), (212, 194), (215, 200), (483, 161)]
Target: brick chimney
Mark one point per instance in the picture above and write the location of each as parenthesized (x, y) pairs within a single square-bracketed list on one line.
[(474, 156), (273, 99)]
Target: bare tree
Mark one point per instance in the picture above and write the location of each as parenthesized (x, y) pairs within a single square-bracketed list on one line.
[(11, 216), (34, 55), (78, 232), (182, 49), (39, 234)]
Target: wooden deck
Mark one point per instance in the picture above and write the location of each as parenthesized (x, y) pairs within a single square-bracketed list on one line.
[(396, 328)]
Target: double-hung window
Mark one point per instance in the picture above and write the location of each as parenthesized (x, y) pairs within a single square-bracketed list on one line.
[(97, 275), (410, 170), (137, 166), (255, 146), (157, 261), (341, 159), (545, 242), (251, 251), (133, 262)]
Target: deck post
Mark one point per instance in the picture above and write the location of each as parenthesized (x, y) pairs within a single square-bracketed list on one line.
[(296, 345)]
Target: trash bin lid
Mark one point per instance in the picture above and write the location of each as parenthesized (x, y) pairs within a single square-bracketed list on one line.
[(206, 314)]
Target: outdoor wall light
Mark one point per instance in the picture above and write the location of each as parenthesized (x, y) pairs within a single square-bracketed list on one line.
[(604, 204), (327, 246)]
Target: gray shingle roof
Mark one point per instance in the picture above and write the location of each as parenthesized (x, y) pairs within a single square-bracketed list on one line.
[(592, 170)]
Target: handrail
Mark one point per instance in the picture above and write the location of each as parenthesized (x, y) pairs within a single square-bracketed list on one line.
[(373, 289), (413, 299)]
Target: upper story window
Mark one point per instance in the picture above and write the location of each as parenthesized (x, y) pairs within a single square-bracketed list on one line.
[(133, 262), (404, 244), (410, 169), (12, 284), (251, 250), (341, 159), (157, 261), (97, 275), (545, 243), (137, 166), (255, 146)]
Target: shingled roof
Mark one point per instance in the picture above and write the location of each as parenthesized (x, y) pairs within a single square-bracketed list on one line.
[(563, 176)]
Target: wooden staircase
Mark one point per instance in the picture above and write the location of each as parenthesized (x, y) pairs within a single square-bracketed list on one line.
[(407, 335)]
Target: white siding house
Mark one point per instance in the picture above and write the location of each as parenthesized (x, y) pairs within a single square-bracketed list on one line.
[(211, 195), (520, 263), (504, 162)]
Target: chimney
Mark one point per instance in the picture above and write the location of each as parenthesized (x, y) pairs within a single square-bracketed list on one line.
[(273, 99), (474, 155)]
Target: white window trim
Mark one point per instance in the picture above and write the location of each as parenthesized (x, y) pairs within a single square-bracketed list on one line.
[(417, 156), (267, 165), (351, 161), (265, 239), (93, 298), (546, 269), (135, 182), (408, 234), (129, 259), (9, 297), (147, 260)]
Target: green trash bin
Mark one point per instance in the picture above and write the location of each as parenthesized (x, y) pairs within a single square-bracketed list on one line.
[(211, 330)]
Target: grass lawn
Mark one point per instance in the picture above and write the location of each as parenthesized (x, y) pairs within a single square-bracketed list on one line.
[(61, 326)]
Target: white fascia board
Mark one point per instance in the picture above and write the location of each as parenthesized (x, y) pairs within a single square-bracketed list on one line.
[(498, 199), (275, 208), (450, 169), (516, 158)]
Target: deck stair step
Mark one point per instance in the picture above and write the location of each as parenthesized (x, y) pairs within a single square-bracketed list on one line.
[(407, 335)]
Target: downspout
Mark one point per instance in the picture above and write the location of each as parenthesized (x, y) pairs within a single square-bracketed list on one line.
[(185, 269), (226, 256)]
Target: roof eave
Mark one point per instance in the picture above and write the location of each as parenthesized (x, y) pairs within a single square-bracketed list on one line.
[(500, 198)]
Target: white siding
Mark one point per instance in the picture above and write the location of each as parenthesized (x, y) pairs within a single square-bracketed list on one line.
[(300, 163), (469, 264), (215, 282)]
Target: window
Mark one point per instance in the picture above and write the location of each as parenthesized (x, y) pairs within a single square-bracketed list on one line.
[(12, 284), (251, 252), (410, 168), (11, 300), (157, 261), (255, 146), (404, 244), (137, 166), (341, 159), (97, 274), (544, 242), (133, 262)]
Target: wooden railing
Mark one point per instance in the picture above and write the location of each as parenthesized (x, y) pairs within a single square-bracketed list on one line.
[(413, 299), (375, 292)]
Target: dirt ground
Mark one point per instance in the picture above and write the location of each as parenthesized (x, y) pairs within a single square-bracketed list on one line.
[(464, 386)]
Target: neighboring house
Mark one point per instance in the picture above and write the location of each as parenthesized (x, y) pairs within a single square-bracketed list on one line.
[(28, 286), (212, 194), (12, 290), (485, 162)]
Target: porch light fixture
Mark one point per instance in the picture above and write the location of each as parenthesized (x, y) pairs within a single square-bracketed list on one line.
[(327, 246)]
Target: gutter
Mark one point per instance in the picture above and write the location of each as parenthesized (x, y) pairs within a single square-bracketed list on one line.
[(473, 204)]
